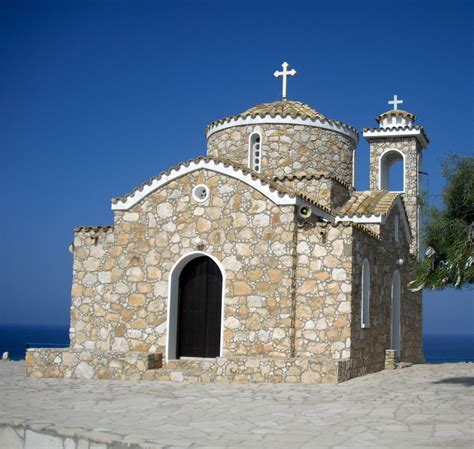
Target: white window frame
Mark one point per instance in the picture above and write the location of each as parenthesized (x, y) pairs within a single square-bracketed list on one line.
[(251, 161)]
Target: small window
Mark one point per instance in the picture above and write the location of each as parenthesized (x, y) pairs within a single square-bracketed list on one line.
[(255, 152), (365, 299), (201, 193), (396, 229)]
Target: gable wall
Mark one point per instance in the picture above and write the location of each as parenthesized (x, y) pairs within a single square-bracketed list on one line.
[(120, 300), (369, 344)]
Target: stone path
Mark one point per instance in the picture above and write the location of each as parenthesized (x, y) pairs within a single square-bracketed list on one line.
[(425, 406)]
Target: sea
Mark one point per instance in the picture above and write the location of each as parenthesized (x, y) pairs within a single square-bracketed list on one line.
[(15, 339)]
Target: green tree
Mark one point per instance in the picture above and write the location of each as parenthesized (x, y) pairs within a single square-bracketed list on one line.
[(449, 234)]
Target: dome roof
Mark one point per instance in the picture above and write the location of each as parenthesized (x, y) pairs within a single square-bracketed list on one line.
[(396, 113), (284, 108), (282, 112)]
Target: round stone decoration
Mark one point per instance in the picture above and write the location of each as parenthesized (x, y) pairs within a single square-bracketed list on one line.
[(201, 193)]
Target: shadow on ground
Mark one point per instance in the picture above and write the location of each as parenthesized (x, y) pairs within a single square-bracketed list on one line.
[(466, 381)]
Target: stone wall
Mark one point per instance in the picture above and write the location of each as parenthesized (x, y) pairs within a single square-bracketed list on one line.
[(369, 344), (323, 293), (77, 364), (325, 191), (121, 278), (410, 147), (288, 149)]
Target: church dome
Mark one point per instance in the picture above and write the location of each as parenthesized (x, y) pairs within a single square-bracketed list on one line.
[(284, 108), (284, 138), (395, 118)]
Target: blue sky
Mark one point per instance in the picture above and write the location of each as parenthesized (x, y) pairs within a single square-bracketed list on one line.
[(97, 96)]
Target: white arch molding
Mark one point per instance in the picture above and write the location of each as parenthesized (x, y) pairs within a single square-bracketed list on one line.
[(395, 328), (386, 160), (172, 312)]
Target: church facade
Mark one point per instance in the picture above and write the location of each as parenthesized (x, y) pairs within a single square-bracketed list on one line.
[(258, 262)]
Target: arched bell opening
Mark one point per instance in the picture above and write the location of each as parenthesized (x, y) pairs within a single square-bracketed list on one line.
[(392, 171)]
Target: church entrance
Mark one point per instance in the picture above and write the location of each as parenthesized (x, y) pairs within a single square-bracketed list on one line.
[(199, 309)]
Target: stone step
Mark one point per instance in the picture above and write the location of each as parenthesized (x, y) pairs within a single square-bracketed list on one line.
[(184, 375)]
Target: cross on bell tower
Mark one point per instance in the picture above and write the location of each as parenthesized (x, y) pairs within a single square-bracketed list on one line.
[(284, 74), (395, 102)]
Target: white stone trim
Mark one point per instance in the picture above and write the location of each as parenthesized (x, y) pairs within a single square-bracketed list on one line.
[(394, 132), (384, 153), (278, 119), (281, 199), (172, 301)]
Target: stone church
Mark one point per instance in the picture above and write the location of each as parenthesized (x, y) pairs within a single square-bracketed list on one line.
[(258, 262)]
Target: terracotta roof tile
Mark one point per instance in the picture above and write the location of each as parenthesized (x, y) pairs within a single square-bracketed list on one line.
[(283, 109), (93, 229), (309, 176), (396, 113), (367, 203)]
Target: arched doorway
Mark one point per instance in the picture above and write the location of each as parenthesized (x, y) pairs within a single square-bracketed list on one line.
[(392, 171), (396, 312), (199, 309)]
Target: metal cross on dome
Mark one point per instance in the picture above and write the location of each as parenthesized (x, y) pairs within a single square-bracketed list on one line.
[(284, 73), (395, 102)]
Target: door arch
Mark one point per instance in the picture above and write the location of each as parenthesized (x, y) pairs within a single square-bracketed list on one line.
[(395, 337), (195, 307)]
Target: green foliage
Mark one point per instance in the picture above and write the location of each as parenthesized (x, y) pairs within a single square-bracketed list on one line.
[(449, 236)]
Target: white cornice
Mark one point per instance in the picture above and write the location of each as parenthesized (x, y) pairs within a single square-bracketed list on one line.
[(416, 132), (279, 198), (287, 120)]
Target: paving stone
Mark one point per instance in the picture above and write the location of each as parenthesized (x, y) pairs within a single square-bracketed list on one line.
[(419, 407)]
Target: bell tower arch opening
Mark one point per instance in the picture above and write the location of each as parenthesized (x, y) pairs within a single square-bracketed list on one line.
[(392, 171)]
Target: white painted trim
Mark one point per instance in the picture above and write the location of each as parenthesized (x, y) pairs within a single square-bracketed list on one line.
[(281, 199), (287, 120), (251, 158), (354, 167), (384, 154), (377, 219), (172, 302), (393, 132)]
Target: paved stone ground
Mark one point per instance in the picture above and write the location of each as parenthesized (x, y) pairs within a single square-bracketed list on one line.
[(425, 406)]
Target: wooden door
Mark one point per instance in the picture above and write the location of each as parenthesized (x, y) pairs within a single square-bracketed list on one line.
[(199, 309)]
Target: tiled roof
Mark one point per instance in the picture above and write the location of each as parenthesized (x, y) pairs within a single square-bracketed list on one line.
[(396, 113), (283, 109), (227, 162), (309, 176), (358, 226), (93, 229), (368, 203)]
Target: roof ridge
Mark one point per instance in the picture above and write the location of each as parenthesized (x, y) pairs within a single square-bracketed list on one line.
[(224, 161)]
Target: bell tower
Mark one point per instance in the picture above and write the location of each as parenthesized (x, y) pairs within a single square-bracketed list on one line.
[(398, 139)]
